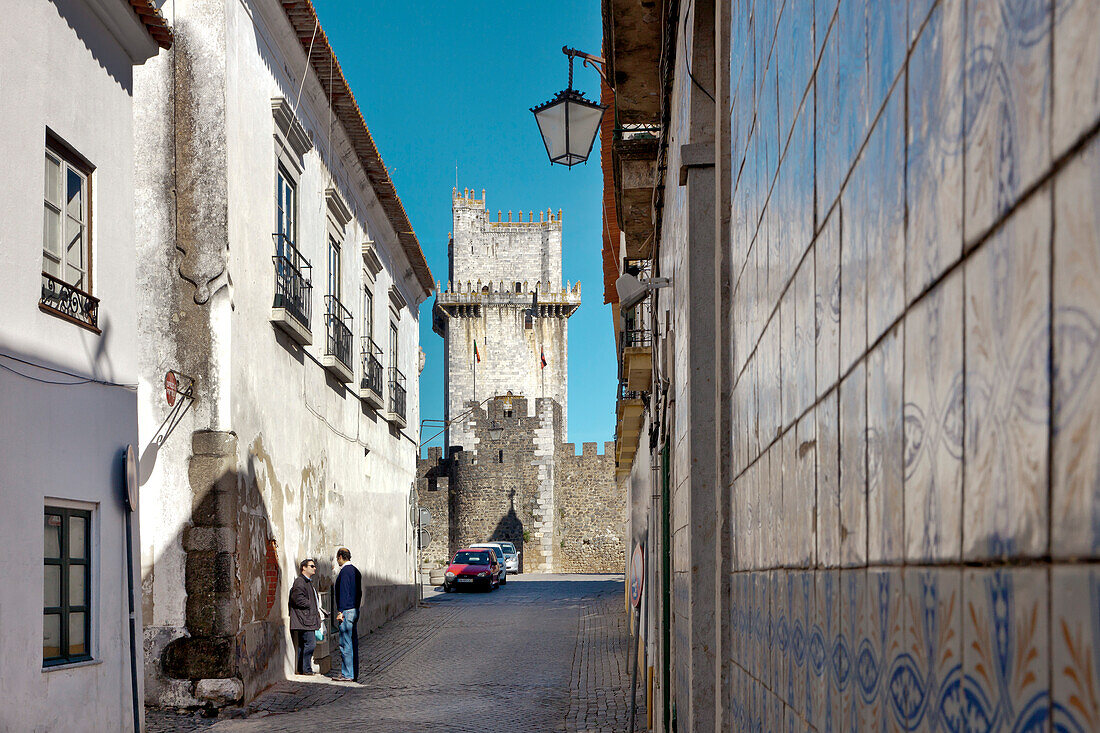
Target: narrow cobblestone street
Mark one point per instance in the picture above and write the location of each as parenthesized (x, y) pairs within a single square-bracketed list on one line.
[(543, 653)]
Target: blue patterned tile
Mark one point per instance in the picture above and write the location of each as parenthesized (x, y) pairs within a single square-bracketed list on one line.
[(881, 647), (933, 424), (853, 266), (828, 482), (801, 498), (885, 444), (794, 59), (1075, 457), (1075, 656), (886, 47), (1008, 388), (780, 641), (933, 651), (801, 594), (885, 212), (934, 150), (827, 303), (1006, 650), (1007, 86), (853, 622), (1077, 71), (853, 468), (823, 638)]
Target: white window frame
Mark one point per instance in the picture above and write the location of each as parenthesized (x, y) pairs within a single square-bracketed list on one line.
[(57, 263)]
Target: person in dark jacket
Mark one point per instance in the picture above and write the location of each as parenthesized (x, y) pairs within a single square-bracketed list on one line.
[(349, 593), (305, 617)]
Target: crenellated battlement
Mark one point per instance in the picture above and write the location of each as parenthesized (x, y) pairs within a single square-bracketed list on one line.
[(465, 200)]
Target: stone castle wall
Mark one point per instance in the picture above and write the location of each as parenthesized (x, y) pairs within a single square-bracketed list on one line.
[(504, 250), (564, 512), (510, 360), (591, 509)]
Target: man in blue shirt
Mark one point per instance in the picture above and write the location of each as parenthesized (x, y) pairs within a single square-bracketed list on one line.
[(349, 593)]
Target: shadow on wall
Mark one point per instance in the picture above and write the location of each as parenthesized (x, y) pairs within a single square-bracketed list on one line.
[(510, 528), (237, 580), (89, 29)]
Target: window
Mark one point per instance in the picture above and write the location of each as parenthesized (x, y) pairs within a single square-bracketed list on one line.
[(368, 313), (393, 345), (286, 203), (66, 229), (66, 588), (333, 267)]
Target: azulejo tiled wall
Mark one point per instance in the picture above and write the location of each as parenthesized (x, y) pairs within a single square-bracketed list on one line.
[(916, 323)]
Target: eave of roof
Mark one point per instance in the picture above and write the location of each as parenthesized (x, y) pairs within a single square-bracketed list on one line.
[(303, 18), (154, 22)]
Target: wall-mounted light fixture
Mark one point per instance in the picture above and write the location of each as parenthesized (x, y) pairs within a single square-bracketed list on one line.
[(568, 122), (495, 430)]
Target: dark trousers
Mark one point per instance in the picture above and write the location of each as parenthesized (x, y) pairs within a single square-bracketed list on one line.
[(304, 642)]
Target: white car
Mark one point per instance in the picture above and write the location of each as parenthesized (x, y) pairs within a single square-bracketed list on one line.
[(511, 557), (502, 557)]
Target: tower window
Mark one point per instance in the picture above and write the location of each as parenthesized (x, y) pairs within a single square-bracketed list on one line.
[(519, 288), (500, 456), (528, 321)]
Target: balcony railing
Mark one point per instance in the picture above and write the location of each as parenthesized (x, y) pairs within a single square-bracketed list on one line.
[(637, 337), (372, 366), (338, 331), (397, 393), (70, 302), (293, 285)]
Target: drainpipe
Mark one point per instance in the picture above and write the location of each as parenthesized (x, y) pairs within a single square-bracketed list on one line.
[(666, 590)]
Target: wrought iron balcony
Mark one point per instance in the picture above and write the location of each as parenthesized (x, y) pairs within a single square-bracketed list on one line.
[(69, 302), (397, 397), (370, 387), (338, 340), (292, 307)]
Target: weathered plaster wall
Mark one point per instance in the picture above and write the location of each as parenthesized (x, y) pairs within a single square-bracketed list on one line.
[(306, 467)]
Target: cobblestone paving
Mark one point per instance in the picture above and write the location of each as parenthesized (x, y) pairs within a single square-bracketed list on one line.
[(543, 653)]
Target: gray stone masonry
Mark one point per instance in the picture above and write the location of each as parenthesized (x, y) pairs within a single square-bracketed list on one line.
[(564, 512)]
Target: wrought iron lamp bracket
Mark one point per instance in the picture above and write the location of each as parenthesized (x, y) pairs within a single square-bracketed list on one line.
[(598, 63)]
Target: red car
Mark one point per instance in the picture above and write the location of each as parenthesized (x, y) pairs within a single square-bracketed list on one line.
[(472, 567)]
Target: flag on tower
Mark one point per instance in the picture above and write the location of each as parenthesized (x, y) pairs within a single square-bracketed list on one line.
[(477, 356), (542, 355)]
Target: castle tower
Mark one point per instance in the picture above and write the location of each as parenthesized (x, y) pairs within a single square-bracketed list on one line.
[(504, 312)]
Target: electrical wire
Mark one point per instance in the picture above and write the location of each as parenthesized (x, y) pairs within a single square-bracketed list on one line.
[(80, 379), (687, 58)]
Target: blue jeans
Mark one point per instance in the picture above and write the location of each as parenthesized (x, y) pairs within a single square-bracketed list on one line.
[(349, 644)]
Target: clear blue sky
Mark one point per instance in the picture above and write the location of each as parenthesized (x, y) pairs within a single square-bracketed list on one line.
[(442, 84)]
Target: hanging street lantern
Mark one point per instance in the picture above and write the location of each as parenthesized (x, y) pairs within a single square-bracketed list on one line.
[(569, 122), (495, 431)]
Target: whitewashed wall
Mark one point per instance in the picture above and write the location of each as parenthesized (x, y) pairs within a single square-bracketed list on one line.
[(64, 70)]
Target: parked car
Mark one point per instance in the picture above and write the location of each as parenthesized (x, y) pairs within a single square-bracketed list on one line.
[(501, 558), (472, 567), (511, 557)]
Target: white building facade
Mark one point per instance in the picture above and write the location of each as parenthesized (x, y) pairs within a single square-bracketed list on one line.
[(280, 279), (68, 361)]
